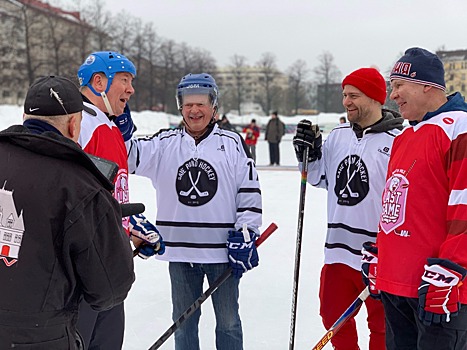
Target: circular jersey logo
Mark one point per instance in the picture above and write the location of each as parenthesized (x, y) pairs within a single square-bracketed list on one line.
[(196, 182), (352, 182)]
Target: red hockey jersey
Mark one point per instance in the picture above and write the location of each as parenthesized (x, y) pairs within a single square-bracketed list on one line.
[(424, 203), (101, 137)]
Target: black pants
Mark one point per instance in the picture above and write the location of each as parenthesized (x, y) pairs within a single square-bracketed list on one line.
[(274, 153), (404, 331), (102, 330)]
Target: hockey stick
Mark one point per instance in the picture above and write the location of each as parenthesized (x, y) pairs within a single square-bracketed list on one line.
[(351, 310), (212, 288), (298, 247)]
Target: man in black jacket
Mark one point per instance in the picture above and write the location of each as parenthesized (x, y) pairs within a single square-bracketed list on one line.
[(56, 213)]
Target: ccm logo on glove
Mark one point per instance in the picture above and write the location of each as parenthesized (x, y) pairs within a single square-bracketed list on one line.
[(438, 276), (241, 245)]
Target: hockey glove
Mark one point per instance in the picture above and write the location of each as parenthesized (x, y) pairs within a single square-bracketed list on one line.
[(243, 255), (438, 294), (153, 243), (307, 136), (369, 268), (125, 123)]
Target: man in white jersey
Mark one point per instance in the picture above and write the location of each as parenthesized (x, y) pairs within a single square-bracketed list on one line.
[(209, 208), (352, 167)]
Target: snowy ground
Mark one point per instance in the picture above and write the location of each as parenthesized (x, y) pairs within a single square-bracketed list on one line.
[(266, 292)]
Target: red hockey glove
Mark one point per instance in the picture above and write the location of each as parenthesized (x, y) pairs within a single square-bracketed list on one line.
[(438, 294), (369, 268)]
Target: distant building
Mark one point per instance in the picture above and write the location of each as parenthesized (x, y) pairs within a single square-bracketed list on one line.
[(249, 108), (251, 81), (455, 67), (38, 39)]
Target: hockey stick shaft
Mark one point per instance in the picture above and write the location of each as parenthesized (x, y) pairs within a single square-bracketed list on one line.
[(351, 310), (298, 247), (212, 288)]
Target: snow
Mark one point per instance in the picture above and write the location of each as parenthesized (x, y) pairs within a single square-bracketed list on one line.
[(266, 291)]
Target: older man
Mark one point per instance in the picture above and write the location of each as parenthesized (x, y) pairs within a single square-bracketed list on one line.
[(422, 244)]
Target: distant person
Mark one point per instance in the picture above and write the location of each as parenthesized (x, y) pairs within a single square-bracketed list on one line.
[(61, 229), (352, 167), (251, 137), (275, 129), (422, 243), (224, 123), (342, 120), (209, 208)]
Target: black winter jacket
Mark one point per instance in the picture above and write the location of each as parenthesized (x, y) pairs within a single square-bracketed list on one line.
[(61, 239)]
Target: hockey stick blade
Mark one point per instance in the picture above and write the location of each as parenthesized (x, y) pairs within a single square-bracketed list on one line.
[(197, 304), (351, 310)]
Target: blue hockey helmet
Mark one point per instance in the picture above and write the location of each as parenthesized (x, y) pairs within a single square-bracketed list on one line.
[(106, 62), (197, 84)]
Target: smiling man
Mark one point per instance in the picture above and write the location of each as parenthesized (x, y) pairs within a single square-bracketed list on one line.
[(352, 167), (422, 245), (208, 208)]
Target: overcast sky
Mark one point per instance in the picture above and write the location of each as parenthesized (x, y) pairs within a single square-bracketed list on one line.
[(358, 33)]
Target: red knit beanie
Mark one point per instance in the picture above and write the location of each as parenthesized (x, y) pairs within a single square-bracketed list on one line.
[(369, 81)]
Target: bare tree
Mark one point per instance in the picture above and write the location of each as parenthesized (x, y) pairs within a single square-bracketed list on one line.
[(194, 60), (125, 28), (326, 74), (268, 72), (238, 70), (59, 37), (137, 50), (101, 21), (153, 47), (297, 75), (169, 63)]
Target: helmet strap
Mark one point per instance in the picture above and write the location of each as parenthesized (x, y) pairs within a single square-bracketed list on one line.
[(107, 104)]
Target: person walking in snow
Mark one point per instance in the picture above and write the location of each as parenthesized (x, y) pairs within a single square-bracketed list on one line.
[(251, 137), (275, 129), (351, 165)]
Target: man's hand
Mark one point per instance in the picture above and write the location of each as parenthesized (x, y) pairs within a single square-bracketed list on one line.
[(307, 136), (142, 229), (243, 255), (438, 294), (369, 268)]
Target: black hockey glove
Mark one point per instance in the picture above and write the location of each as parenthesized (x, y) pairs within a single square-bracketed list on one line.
[(125, 123), (438, 294), (369, 268), (307, 136)]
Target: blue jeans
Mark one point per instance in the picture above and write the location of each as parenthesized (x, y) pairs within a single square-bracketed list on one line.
[(187, 286)]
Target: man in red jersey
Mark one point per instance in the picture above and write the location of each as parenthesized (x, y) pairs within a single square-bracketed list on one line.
[(106, 85), (422, 242)]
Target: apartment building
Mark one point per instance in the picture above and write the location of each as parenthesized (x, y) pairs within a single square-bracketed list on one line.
[(455, 68), (37, 39)]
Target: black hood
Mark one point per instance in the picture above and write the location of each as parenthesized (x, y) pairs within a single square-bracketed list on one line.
[(390, 120), (52, 145)]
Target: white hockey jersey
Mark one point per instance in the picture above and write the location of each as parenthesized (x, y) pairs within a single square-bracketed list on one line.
[(353, 170), (203, 190)]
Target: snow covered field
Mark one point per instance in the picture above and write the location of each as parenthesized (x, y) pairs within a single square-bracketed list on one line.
[(266, 292)]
